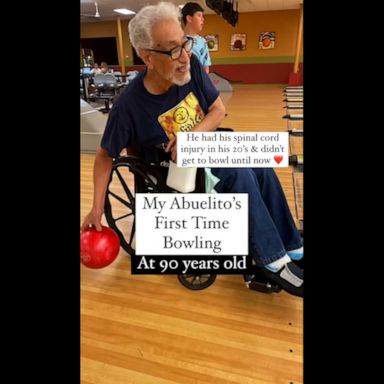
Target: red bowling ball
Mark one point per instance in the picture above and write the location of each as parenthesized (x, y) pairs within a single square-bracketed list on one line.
[(98, 249)]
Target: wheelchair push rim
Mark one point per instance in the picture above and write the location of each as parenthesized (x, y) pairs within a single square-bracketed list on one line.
[(119, 207)]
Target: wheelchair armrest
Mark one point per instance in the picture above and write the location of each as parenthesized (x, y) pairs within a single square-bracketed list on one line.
[(224, 129), (134, 151)]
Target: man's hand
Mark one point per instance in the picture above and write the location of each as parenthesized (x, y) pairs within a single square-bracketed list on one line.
[(172, 147), (92, 219), (101, 173)]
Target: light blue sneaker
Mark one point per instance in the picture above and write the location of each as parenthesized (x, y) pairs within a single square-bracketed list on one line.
[(297, 258), (295, 255)]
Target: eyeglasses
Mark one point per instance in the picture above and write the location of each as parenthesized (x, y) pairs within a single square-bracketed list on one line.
[(175, 53)]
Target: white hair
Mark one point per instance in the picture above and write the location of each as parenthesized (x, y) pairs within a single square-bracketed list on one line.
[(140, 27)]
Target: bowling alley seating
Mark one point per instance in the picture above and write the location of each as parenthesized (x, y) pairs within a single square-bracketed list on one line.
[(106, 87)]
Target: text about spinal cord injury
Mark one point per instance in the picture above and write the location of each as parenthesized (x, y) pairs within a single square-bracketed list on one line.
[(223, 149)]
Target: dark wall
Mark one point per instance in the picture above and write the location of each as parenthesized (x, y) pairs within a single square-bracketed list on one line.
[(104, 49), (136, 59)]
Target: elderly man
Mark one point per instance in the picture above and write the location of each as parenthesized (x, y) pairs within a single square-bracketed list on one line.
[(146, 115)]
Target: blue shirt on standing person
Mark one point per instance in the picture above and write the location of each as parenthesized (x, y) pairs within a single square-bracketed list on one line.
[(193, 20)]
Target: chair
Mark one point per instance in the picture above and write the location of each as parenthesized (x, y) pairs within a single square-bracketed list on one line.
[(107, 88)]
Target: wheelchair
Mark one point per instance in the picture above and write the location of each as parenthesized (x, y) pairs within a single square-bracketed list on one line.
[(146, 177), (150, 177)]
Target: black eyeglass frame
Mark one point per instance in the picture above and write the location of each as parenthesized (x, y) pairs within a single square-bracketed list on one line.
[(181, 47)]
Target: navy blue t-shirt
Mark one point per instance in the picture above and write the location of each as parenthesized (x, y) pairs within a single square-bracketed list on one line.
[(141, 119)]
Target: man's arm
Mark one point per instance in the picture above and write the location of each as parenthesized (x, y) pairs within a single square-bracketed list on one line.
[(101, 172), (211, 121), (213, 118), (206, 69)]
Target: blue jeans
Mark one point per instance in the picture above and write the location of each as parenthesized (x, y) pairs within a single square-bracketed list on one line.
[(272, 231)]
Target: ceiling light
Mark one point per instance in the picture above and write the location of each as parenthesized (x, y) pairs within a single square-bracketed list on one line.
[(124, 11)]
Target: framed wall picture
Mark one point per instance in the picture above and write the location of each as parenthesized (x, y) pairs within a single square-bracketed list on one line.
[(238, 42), (267, 40), (212, 42)]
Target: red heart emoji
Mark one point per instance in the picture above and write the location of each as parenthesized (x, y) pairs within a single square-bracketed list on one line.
[(278, 159)]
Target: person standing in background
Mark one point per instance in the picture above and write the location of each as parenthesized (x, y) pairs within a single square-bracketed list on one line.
[(193, 20), (95, 69), (104, 68)]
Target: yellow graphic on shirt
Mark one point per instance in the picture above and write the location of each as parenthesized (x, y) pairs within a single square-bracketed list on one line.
[(183, 117)]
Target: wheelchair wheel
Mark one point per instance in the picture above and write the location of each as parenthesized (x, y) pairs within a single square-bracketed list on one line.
[(196, 282), (119, 207)]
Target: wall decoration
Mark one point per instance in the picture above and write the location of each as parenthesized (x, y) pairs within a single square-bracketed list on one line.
[(238, 42), (212, 42), (267, 40)]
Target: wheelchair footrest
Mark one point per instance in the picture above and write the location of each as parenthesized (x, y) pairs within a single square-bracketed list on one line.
[(261, 284)]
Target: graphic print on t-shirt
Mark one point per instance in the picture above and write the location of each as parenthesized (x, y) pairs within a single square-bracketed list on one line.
[(183, 117)]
